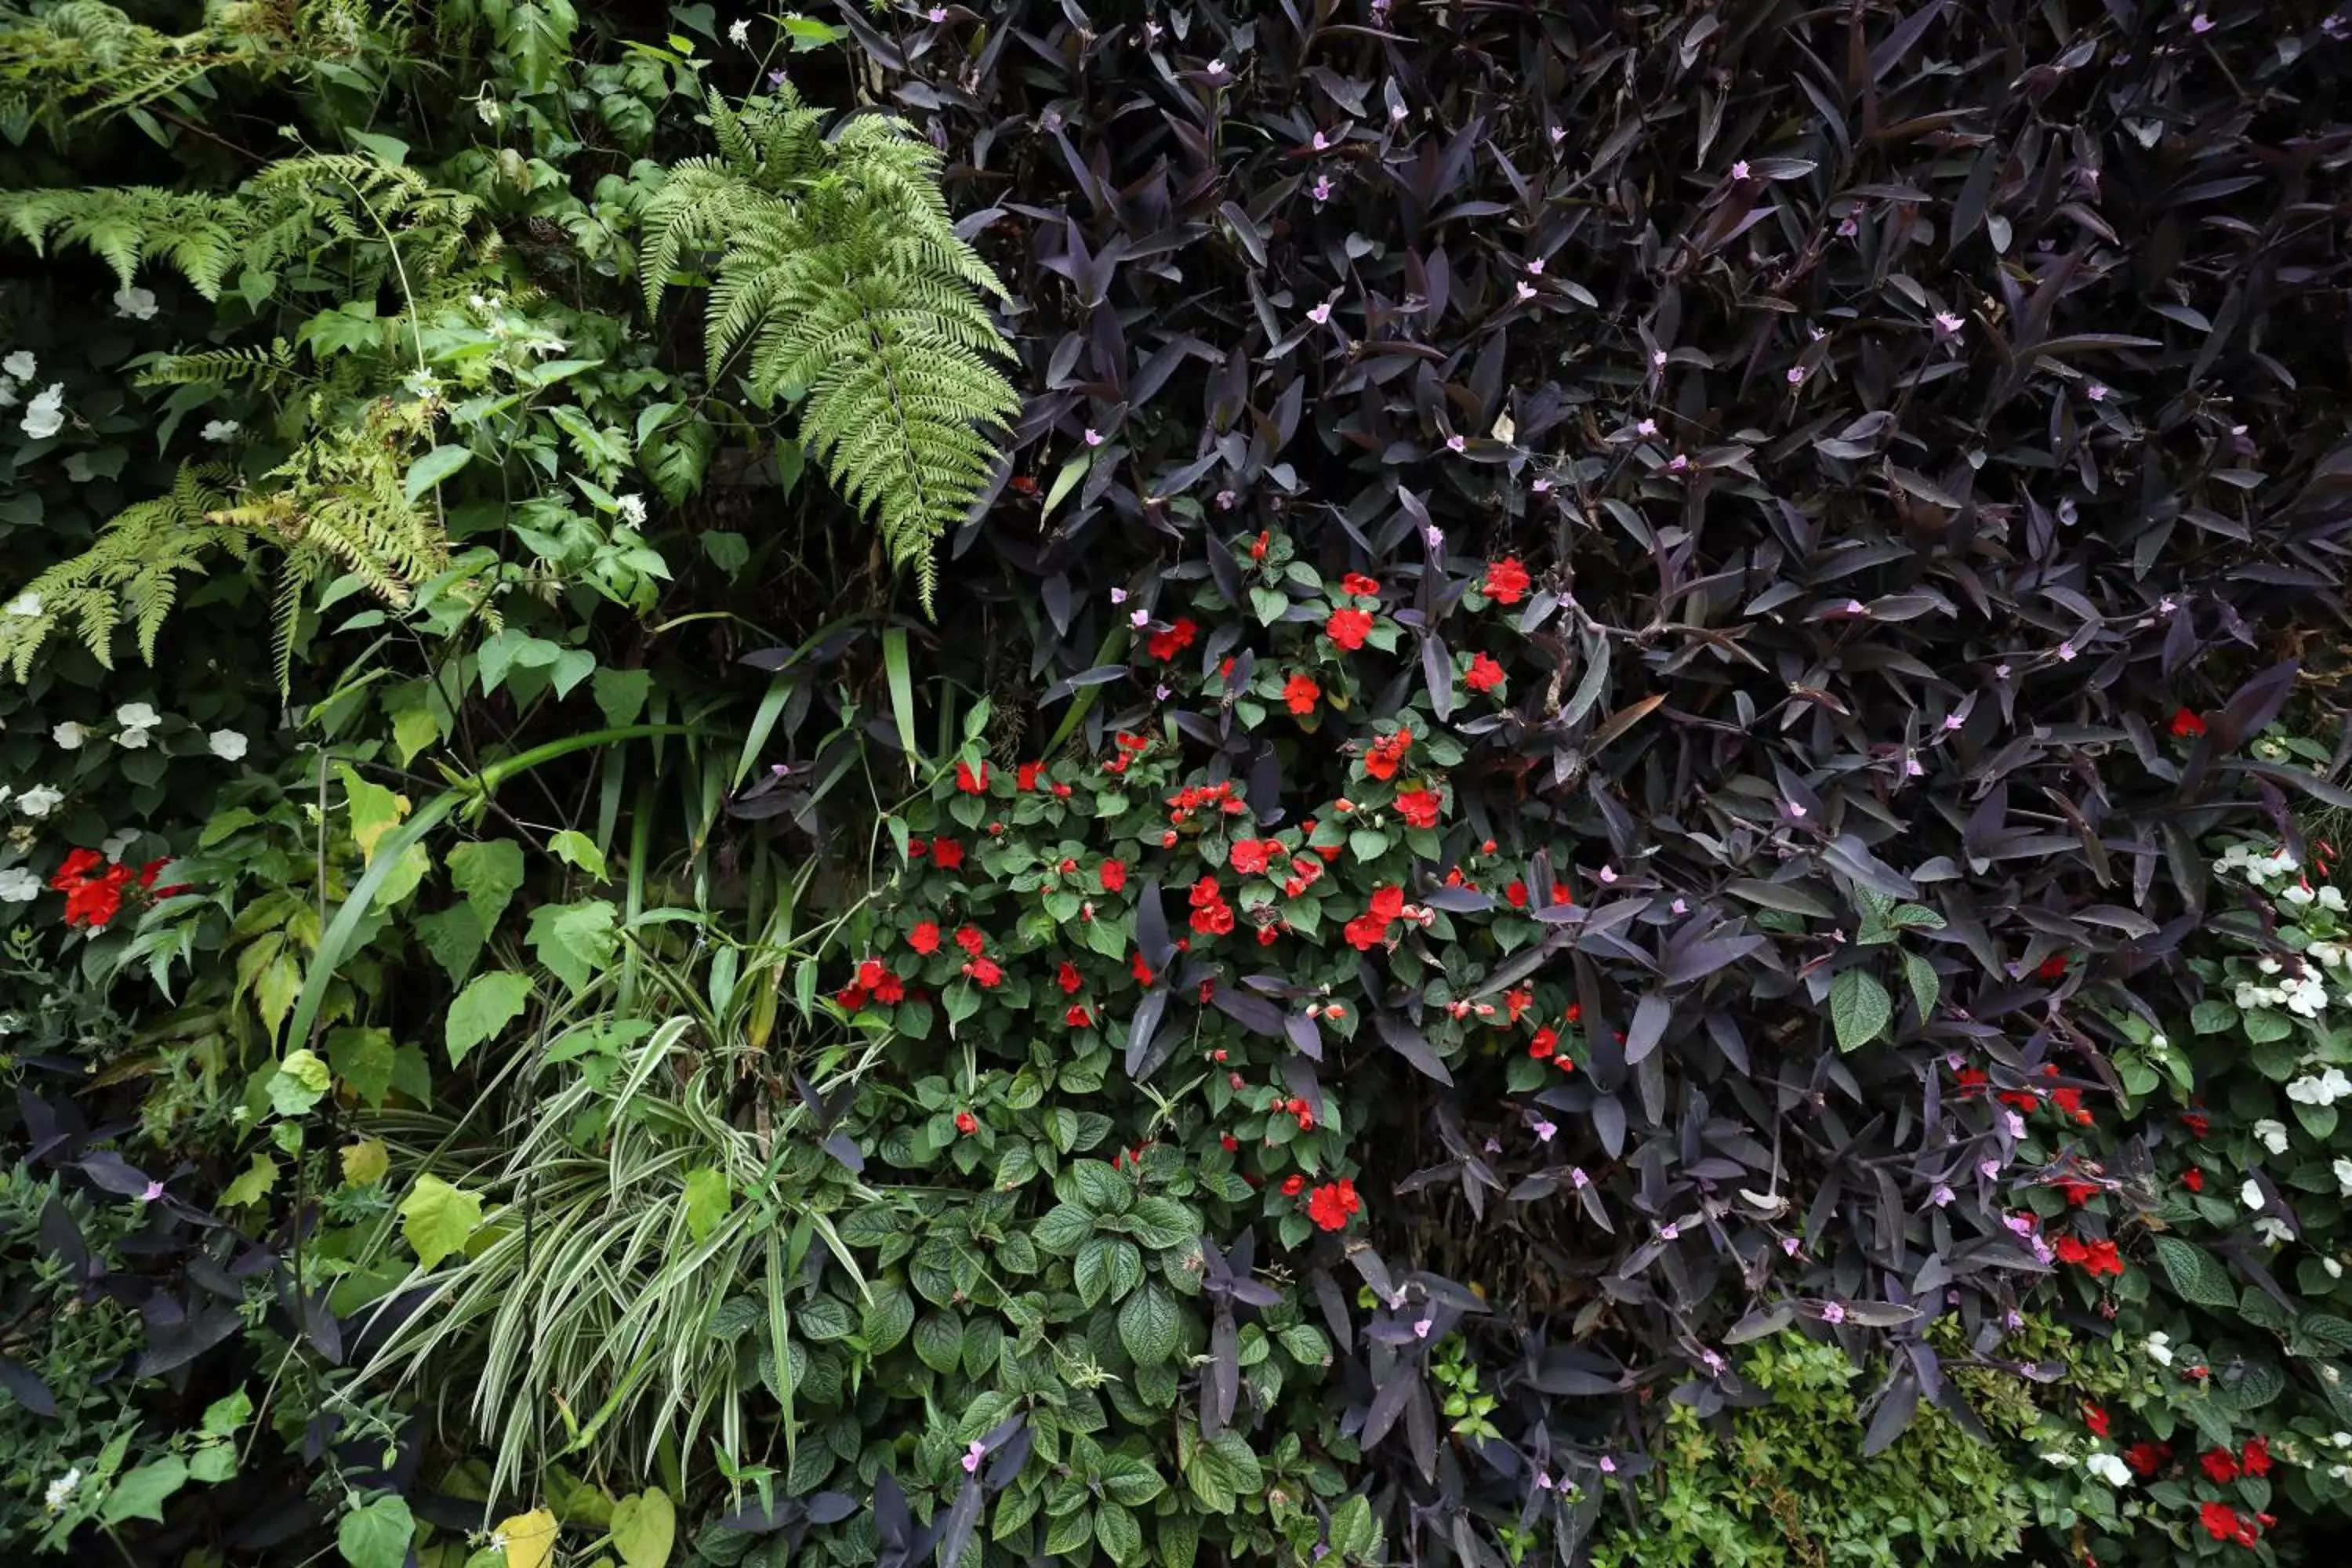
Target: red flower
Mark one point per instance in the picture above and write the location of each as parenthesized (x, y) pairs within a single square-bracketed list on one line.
[(96, 900), (1077, 1017), (1112, 874), (925, 937), (2257, 1457), (2193, 1179), (850, 998), (2079, 1193), (1357, 584), (2221, 1521), (2147, 1458), (1546, 1042), (1258, 545), (2220, 1465), (2095, 1419), (148, 872), (1484, 674), (2104, 1259), (968, 939), (1561, 893), (1214, 919), (2197, 1126), (1165, 645), (1419, 807), (871, 972), (1387, 752), (1026, 775), (1140, 970), (1331, 1206), (2187, 725), (1518, 1001), (947, 854), (1248, 856), (890, 991), (2052, 968), (967, 1122), (1228, 1142), (971, 782), (1348, 628), (1300, 693), (1293, 1184), (77, 864), (1515, 895), (984, 973), (1507, 580)]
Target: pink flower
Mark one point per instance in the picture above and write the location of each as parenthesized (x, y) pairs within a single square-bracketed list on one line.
[(2065, 652), (1320, 313), (1947, 324), (1322, 142), (1658, 359), (2201, 23), (1323, 187), (1646, 427), (972, 1456), (1535, 267), (1833, 1313), (1093, 436), (1796, 375), (2096, 393), (1739, 170), (1527, 290), (1456, 444), (1138, 618), (1679, 463)]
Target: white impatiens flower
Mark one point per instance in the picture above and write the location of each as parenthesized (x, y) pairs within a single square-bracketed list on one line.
[(2159, 1348), (115, 843), (18, 886), (739, 32), (2251, 1194), (39, 801), (45, 415), (61, 1490), (21, 365), (2272, 1134), (2343, 1177), (2331, 898), (136, 716), (28, 604), (2109, 1469), (2273, 1232), (2298, 895), (632, 509), (218, 429), (68, 736), (135, 304), (229, 745), (2305, 994), (2320, 1088)]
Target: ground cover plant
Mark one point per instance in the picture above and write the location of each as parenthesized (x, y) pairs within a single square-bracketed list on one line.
[(1596, 803)]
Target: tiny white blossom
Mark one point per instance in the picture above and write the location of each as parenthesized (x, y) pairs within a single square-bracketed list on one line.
[(68, 736), (45, 415), (18, 886), (2159, 1349), (2275, 1233), (134, 740), (226, 744), (218, 429), (21, 365), (2335, 1269), (136, 716), (61, 1490), (632, 508), (39, 801), (2251, 1194), (136, 304), (488, 108), (739, 32)]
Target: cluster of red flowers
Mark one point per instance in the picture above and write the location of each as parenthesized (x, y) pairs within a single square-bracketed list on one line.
[(1507, 580), (1363, 588), (2147, 1458), (945, 853), (1332, 1205), (2221, 1467), (1193, 798), (1484, 674), (875, 980), (1129, 748), (1386, 754), (93, 898), (1419, 807), (1165, 645), (1370, 928), (972, 780), (2093, 1257), (2224, 1523)]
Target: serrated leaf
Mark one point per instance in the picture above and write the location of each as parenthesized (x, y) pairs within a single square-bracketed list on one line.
[(1925, 987), (1149, 1323), (2194, 1273), (1859, 1008), (939, 1341), (1121, 1536), (363, 1058), (487, 1004), (365, 1162), (487, 873), (574, 940)]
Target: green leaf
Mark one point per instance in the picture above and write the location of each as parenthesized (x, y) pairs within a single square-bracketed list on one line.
[(939, 1341), (1107, 1265), (483, 1008), (1068, 1536), (1859, 1008), (300, 1081), (1121, 1536), (252, 1184), (1100, 1188), (621, 693), (487, 873), (577, 849), (645, 1527), (1148, 1325), (1926, 986), (574, 940), (2263, 1026), (888, 1317), (435, 466), (707, 1200), (436, 1218), (141, 1494), (377, 1535), (453, 937), (2194, 1273), (1064, 1229), (2212, 1016), (362, 1059)]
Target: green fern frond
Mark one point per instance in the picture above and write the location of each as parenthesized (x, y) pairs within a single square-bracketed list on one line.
[(272, 367)]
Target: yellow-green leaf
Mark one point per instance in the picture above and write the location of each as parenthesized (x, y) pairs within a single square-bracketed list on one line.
[(531, 1538), (366, 1162), (253, 1186), (375, 810), (644, 1529), (436, 1218), (708, 1199)]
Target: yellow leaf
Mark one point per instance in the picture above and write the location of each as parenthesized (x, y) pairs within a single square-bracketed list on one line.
[(375, 810), (531, 1538), (366, 1162), (644, 1527)]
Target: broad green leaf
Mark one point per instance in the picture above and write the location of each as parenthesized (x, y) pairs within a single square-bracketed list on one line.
[(487, 873), (1064, 1228), (453, 937), (886, 1318), (2211, 1016), (252, 1184), (1926, 986), (1068, 1536), (366, 1162), (577, 849), (645, 1527), (573, 940), (1100, 1188), (1121, 1536), (375, 810), (1859, 1008), (939, 1341), (142, 1493), (436, 1218), (707, 1200), (377, 1535), (1149, 1323), (362, 1059), (2194, 1273), (483, 1008), (300, 1081), (621, 693), (435, 466)]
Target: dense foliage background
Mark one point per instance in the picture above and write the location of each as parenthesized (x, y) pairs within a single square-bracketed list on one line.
[(1417, 781)]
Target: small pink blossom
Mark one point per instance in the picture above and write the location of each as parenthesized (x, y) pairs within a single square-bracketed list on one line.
[(2096, 393), (1118, 596), (1832, 1312), (1855, 608), (1658, 358), (1558, 134), (1795, 809), (1941, 1196), (1947, 324), (1139, 619), (1608, 875), (1323, 188), (2201, 23), (972, 1456), (1322, 142), (1608, 1465), (1911, 767), (1544, 1131), (1988, 1168), (1646, 427), (1433, 536), (1093, 436), (1216, 67), (1527, 290), (1320, 313), (1796, 375), (1789, 1244), (1847, 228), (1535, 267), (1456, 444), (1680, 906), (2066, 652), (1577, 1178), (1420, 1329), (1678, 463), (936, 14), (1739, 170), (1953, 720)]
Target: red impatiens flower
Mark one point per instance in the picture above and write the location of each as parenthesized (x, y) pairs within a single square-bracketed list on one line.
[(984, 974), (850, 998), (1300, 694), (2256, 1459), (1077, 1017), (1387, 752), (1212, 916), (1516, 894), (1293, 1184), (1140, 970), (925, 937), (95, 901), (2197, 1126), (947, 854), (890, 990), (1165, 645), (78, 863), (1112, 874), (970, 780), (2095, 1419), (1348, 628), (2220, 1465), (1357, 584), (2077, 1194), (970, 939), (870, 973), (2193, 1179), (1419, 807), (1546, 1042), (1368, 929), (2147, 1458), (967, 1122), (2221, 1521), (1025, 775), (2052, 968), (1507, 580), (2094, 1258), (1331, 1206), (1484, 674), (1068, 979), (2186, 724)]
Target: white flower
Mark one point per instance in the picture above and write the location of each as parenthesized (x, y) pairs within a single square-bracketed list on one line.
[(26, 604), (2267, 966), (2321, 1089), (39, 801), (422, 384), (2251, 1194), (2335, 1269), (18, 886), (631, 507), (2344, 1177), (136, 716), (2058, 1456), (2331, 898), (218, 429), (2305, 995), (21, 365), (61, 1490), (2272, 1134), (68, 736), (115, 844), (45, 415), (739, 32), (2159, 1349), (488, 108), (138, 304), (2157, 1042), (226, 744), (2298, 895), (134, 740), (2109, 1469), (2273, 1232)]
